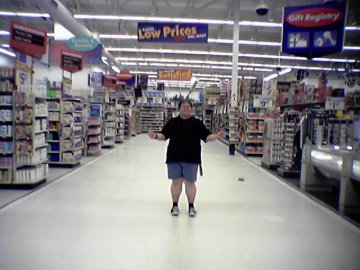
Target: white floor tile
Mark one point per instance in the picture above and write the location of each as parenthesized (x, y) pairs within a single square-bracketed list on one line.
[(114, 213)]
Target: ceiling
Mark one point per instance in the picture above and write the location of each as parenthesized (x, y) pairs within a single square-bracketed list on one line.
[(212, 58)]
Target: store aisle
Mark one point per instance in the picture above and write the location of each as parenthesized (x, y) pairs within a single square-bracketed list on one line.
[(113, 213)]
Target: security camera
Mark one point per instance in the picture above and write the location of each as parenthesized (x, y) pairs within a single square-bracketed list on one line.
[(262, 9)]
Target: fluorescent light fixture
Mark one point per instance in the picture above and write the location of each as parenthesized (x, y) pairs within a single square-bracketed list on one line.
[(6, 13), (5, 45), (129, 64), (249, 77), (143, 72), (32, 15), (165, 51), (336, 147), (263, 24), (115, 68), (4, 33), (354, 48), (7, 52), (105, 60), (349, 147), (263, 69), (104, 36), (352, 28), (270, 77), (151, 19), (143, 64), (284, 71)]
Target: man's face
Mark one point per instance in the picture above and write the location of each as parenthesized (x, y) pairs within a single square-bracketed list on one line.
[(185, 110)]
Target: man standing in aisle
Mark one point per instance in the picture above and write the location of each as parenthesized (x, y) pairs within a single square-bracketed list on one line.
[(184, 152)]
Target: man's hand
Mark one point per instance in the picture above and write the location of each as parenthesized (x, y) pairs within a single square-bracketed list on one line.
[(152, 134), (221, 134)]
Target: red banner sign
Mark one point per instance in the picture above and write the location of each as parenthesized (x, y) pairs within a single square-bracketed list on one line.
[(110, 81), (28, 40), (124, 75), (314, 17), (175, 74), (71, 62)]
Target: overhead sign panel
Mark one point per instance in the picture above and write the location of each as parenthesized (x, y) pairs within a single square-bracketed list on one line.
[(175, 74), (314, 31), (28, 40), (173, 32), (82, 43), (71, 62)]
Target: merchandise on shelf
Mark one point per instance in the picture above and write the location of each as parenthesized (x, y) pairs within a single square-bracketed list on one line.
[(152, 111), (94, 127), (252, 129), (108, 128), (66, 131)]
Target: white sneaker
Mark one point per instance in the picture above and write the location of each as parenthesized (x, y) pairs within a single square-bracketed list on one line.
[(175, 211), (192, 212)]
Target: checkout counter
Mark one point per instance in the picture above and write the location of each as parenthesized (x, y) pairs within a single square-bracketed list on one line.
[(336, 164)]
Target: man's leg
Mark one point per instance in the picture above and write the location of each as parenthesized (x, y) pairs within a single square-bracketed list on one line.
[(190, 189), (176, 188)]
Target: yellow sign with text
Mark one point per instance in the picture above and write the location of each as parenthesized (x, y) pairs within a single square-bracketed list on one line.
[(175, 74)]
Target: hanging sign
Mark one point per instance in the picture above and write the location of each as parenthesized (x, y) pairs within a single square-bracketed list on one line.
[(110, 81), (28, 40), (263, 101), (82, 43), (71, 62), (335, 103), (175, 74), (314, 30), (173, 32), (124, 75)]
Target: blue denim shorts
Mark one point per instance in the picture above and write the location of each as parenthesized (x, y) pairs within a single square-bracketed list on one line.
[(187, 171)]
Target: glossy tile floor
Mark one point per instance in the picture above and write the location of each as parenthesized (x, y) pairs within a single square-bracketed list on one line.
[(113, 213)]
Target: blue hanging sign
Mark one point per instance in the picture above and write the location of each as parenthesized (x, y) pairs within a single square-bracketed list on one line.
[(173, 32), (314, 31), (82, 43)]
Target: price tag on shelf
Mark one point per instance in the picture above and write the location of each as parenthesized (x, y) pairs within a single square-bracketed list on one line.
[(335, 103), (263, 101)]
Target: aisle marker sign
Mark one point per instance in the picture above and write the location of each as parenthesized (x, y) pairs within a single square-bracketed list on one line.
[(71, 62), (314, 30), (28, 40), (175, 74), (261, 101), (173, 32)]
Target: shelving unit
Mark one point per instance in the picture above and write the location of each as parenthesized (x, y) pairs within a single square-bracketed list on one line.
[(66, 131), (287, 159), (94, 124), (233, 125), (31, 132), (127, 131), (273, 139), (152, 111), (252, 137), (6, 125), (120, 123), (109, 125)]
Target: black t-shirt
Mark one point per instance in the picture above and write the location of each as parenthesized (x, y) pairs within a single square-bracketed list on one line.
[(185, 136)]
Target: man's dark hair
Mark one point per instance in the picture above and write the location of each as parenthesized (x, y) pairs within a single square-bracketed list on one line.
[(185, 101)]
